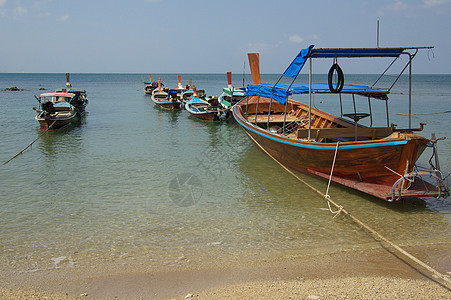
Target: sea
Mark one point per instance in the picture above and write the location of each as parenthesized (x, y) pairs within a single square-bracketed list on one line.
[(129, 181)]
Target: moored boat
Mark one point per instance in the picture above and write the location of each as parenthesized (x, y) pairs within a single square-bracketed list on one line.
[(207, 110), (150, 85), (166, 99), (231, 95), (55, 110), (380, 161), (189, 95)]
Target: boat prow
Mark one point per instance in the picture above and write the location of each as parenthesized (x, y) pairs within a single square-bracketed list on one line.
[(55, 110)]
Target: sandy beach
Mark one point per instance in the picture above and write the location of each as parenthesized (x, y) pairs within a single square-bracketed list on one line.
[(377, 273)]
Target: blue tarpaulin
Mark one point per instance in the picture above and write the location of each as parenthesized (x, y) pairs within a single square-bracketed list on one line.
[(278, 94), (356, 52), (299, 61), (296, 65)]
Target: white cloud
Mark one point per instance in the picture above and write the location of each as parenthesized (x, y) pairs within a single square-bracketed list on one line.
[(153, 1), (20, 11), (2, 3), (397, 5), (295, 39), (63, 18), (431, 3)]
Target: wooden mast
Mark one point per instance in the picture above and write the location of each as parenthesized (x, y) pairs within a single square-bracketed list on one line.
[(229, 80), (67, 80), (254, 63)]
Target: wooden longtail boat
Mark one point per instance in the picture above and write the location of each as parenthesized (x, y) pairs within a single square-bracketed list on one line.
[(231, 95), (207, 110), (55, 110), (379, 161), (165, 100), (150, 85)]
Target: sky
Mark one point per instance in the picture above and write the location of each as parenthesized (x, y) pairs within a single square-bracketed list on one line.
[(208, 36)]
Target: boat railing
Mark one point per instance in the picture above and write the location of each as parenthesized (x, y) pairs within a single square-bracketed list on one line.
[(292, 126)]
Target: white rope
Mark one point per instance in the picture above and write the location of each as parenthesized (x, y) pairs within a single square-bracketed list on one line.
[(375, 234), (332, 170)]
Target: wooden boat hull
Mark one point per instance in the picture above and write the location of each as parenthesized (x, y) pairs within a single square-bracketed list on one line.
[(170, 105), (358, 164), (55, 122), (202, 110), (161, 100), (148, 89), (208, 117), (80, 108)]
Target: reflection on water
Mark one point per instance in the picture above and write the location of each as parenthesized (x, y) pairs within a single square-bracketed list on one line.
[(100, 191)]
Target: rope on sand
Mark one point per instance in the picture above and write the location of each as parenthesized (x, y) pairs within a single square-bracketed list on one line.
[(20, 152), (360, 223)]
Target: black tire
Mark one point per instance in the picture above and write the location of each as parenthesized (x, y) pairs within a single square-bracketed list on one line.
[(340, 81)]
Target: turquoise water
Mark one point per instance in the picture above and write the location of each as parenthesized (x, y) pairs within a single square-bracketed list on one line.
[(132, 182)]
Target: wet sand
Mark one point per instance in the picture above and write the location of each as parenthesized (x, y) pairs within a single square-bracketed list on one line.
[(378, 273)]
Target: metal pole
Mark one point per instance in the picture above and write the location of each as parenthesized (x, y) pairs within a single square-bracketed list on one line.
[(377, 33), (269, 114), (256, 110), (247, 104), (410, 92), (310, 99), (285, 117)]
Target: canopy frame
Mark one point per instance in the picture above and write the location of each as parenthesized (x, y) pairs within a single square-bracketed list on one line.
[(281, 92)]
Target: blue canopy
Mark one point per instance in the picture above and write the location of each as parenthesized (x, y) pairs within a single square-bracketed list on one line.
[(299, 61), (280, 92), (356, 52), (296, 65), (152, 82), (267, 90)]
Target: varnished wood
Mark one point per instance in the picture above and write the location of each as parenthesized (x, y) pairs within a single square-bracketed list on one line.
[(254, 63), (377, 157)]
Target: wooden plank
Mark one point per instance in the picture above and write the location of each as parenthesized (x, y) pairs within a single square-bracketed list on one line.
[(373, 132), (272, 118)]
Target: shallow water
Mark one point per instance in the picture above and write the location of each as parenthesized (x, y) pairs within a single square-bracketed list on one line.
[(131, 181)]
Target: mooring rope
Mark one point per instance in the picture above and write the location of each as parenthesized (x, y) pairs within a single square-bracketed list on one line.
[(360, 223), (20, 152), (424, 114)]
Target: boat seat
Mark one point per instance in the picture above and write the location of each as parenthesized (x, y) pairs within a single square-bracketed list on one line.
[(356, 117), (347, 132), (272, 118)]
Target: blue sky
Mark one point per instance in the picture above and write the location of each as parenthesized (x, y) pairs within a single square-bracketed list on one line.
[(203, 36)]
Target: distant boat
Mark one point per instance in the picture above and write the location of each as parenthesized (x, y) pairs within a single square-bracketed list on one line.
[(379, 161), (150, 85), (188, 95), (230, 95), (207, 110), (166, 99), (80, 100), (55, 110)]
